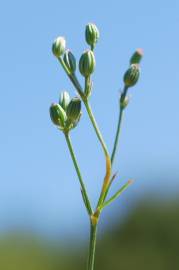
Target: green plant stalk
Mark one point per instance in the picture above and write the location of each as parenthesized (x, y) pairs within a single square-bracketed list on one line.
[(92, 48), (88, 86), (79, 89), (96, 128), (84, 192), (93, 229), (116, 141), (92, 246), (93, 226), (106, 181), (72, 78)]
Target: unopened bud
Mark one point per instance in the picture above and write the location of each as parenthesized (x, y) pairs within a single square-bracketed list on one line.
[(57, 114), (136, 57), (64, 100), (91, 34), (131, 76), (70, 61), (87, 63), (124, 101), (58, 46), (74, 109)]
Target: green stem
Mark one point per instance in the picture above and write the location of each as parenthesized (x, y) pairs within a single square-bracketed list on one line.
[(78, 87), (92, 246), (92, 48), (116, 141), (83, 96), (123, 95), (96, 128), (117, 135), (64, 66), (107, 157), (87, 204), (72, 78)]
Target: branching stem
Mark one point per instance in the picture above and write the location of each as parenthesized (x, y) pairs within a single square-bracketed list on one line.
[(94, 216)]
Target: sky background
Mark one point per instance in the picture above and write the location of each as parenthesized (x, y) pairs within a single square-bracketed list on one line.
[(39, 190)]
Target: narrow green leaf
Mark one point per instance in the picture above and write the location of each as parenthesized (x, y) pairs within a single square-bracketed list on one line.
[(111, 181), (117, 194)]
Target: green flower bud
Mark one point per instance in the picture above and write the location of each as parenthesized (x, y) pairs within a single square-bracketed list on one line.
[(70, 61), (64, 100), (58, 46), (131, 76), (57, 114), (74, 110), (136, 57), (87, 63), (91, 34), (124, 101)]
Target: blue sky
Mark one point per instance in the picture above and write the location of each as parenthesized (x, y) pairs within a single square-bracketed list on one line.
[(38, 185)]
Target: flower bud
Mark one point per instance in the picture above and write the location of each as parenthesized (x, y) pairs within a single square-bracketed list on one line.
[(64, 100), (131, 76), (87, 63), (58, 46), (124, 101), (74, 109), (136, 57), (57, 115), (91, 34), (70, 61)]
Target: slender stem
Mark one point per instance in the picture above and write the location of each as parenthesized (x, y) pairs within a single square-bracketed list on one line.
[(96, 128), (72, 78), (107, 157), (92, 48), (83, 96), (88, 205), (92, 246), (117, 135), (116, 141), (123, 95), (78, 87), (88, 86)]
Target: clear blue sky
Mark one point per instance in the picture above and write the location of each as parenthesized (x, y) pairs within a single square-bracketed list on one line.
[(38, 185)]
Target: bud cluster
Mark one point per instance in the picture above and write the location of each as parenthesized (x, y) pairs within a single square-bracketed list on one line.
[(131, 76), (66, 114), (87, 61)]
